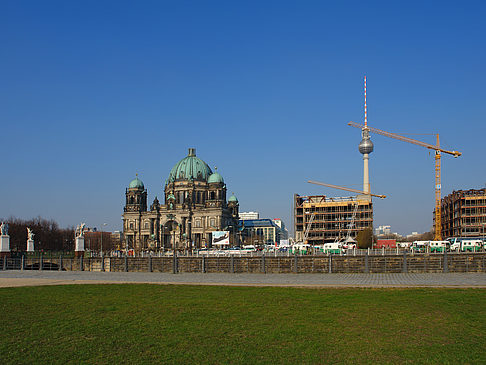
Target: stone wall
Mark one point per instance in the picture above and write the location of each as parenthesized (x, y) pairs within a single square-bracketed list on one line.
[(418, 263)]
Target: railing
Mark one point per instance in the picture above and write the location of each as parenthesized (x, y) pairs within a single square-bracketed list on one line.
[(322, 263)]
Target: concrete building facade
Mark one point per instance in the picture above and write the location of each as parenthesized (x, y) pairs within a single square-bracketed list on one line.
[(249, 215), (259, 231), (383, 230), (463, 214), (283, 233)]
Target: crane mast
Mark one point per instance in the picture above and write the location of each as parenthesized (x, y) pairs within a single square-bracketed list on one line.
[(438, 151)]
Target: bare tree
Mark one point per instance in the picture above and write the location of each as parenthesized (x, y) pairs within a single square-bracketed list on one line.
[(48, 235)]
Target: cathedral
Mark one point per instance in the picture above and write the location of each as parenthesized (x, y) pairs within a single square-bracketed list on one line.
[(195, 205)]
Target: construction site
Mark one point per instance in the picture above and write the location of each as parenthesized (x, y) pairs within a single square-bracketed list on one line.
[(320, 219), (327, 219), (463, 213)]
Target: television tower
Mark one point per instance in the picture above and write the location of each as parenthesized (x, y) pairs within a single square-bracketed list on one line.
[(365, 147)]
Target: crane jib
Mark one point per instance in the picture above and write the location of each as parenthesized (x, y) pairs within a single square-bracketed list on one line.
[(405, 139)]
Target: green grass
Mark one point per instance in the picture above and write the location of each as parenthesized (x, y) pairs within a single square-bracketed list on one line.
[(240, 325)]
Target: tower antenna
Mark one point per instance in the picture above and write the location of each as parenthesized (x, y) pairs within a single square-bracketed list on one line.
[(365, 147), (366, 112)]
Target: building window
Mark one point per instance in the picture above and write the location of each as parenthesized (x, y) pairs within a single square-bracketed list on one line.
[(213, 222), (131, 226), (198, 223), (146, 225)]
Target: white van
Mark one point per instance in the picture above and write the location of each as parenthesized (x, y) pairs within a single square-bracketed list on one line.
[(471, 245), (466, 245), (419, 246), (438, 246), (300, 248), (332, 247)]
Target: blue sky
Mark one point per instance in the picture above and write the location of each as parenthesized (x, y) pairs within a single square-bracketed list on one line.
[(93, 92)]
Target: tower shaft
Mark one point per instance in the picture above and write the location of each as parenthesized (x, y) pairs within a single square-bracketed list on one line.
[(366, 174)]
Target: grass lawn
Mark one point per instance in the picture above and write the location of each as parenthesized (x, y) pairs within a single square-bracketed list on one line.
[(142, 323)]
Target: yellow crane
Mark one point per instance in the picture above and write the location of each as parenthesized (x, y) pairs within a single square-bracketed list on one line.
[(438, 152), (346, 189)]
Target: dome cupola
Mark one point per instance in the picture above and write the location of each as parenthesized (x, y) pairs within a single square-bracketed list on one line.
[(136, 183), (215, 177), (233, 198), (190, 168)]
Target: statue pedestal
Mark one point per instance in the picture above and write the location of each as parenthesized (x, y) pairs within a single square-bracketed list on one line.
[(79, 248), (30, 245), (4, 245)]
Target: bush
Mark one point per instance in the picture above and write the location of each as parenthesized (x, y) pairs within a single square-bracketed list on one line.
[(365, 238)]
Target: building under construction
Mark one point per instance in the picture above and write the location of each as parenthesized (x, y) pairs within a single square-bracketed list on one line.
[(463, 213), (331, 219)]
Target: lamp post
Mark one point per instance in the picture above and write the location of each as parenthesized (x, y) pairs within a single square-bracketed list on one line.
[(484, 243), (173, 242), (104, 224), (162, 238), (171, 218)]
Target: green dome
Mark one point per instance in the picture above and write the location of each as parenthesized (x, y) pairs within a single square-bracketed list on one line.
[(215, 178), (233, 198), (190, 168), (136, 183)]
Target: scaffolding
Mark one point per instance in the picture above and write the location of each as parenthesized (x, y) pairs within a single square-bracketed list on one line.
[(463, 213), (332, 217)]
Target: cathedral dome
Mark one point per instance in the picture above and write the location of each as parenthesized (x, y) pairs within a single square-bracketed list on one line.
[(215, 178), (233, 198), (190, 168), (136, 183)]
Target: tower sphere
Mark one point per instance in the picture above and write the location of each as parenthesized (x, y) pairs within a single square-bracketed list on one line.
[(365, 146)]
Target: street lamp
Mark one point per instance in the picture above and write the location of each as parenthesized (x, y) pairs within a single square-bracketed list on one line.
[(484, 242), (163, 237), (104, 224)]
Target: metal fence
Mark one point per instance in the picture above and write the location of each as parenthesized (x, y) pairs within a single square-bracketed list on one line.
[(330, 263)]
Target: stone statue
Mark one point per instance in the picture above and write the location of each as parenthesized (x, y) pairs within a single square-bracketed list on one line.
[(80, 230), (4, 229), (30, 234)]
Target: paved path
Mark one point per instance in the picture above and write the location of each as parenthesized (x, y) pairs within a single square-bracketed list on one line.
[(12, 278)]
